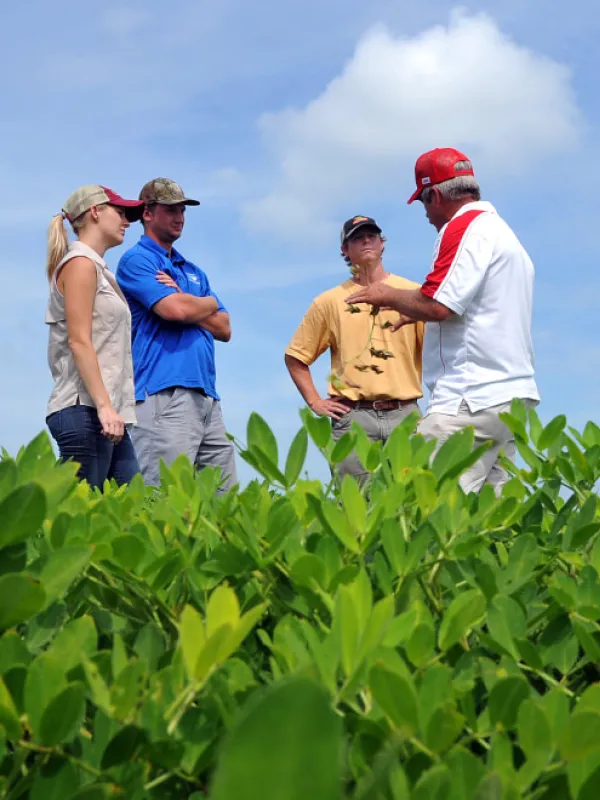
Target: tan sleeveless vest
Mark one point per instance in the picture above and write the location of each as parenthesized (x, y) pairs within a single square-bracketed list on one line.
[(111, 337)]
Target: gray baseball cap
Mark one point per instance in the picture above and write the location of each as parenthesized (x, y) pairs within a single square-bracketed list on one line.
[(166, 192), (94, 195)]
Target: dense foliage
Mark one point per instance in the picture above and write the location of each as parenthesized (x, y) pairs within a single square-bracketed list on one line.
[(296, 641)]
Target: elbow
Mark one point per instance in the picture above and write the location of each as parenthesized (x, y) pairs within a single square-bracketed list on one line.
[(294, 364), (78, 346), (443, 313), (225, 334)]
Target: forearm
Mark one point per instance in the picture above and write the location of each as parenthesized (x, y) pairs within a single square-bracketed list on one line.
[(219, 325), (414, 304), (86, 361), (197, 309), (300, 374), (185, 308)]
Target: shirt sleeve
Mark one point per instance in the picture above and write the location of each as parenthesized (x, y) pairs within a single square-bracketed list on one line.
[(460, 265), (136, 275), (312, 337)]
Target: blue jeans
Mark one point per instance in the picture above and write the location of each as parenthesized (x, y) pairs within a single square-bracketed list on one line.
[(78, 434)]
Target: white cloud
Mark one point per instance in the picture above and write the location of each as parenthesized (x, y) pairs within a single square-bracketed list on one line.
[(466, 85)]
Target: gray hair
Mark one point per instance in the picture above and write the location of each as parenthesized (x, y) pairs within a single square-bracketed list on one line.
[(456, 188)]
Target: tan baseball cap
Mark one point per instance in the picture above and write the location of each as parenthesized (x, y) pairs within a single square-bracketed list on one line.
[(94, 195), (166, 192)]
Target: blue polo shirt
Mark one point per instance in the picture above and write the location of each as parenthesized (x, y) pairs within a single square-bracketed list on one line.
[(165, 354)]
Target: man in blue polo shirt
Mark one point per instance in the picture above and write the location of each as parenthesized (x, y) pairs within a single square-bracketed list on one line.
[(175, 319)]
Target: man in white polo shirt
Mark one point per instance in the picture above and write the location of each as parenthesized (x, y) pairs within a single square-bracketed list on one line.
[(477, 301)]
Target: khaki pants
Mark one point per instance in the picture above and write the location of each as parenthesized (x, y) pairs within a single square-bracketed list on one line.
[(179, 420), (378, 426), (487, 425)]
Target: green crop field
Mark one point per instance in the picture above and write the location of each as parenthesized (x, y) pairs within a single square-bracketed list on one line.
[(296, 641)]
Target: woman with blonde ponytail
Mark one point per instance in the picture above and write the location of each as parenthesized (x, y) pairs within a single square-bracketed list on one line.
[(89, 348)]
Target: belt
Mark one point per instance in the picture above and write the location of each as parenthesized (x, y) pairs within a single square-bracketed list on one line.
[(376, 405)]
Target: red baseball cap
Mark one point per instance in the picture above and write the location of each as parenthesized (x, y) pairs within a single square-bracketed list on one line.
[(437, 166)]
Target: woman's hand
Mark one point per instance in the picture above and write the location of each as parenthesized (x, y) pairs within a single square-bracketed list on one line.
[(113, 426), (166, 280)]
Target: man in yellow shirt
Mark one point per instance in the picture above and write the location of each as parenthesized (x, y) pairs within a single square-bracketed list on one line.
[(376, 372)]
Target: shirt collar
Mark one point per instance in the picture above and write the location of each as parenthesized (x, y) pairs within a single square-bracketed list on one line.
[(150, 244), (476, 205)]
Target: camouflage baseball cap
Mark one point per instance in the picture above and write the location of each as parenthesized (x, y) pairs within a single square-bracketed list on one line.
[(166, 192), (94, 195)]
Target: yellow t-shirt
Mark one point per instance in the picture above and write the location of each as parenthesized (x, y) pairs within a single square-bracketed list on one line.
[(329, 325)]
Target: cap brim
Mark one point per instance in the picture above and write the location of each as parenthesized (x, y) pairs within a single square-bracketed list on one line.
[(360, 225), (187, 201), (133, 213), (133, 208), (416, 194)]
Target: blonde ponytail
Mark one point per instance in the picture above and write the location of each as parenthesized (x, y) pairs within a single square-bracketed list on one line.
[(58, 243)]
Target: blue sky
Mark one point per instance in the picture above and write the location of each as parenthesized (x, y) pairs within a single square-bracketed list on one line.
[(284, 119)]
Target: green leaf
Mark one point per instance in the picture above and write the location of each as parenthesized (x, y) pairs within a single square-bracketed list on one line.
[(97, 684), (551, 432), (396, 697), (56, 780), (245, 625), (127, 690), (308, 569), (319, 429), (191, 637), (505, 698), (260, 436), (22, 512), (128, 551), (467, 772), (215, 652), (8, 476), (433, 784), (421, 642), (556, 708), (13, 652), (125, 746), (346, 620), (453, 451), (342, 448), (62, 568), (296, 457), (77, 638), (62, 717), (286, 744), (464, 612), (505, 619), (21, 597), (97, 791), (223, 609), (9, 717), (535, 736), (401, 627), (338, 523), (398, 784), (582, 736), (45, 679), (354, 504), (443, 729)]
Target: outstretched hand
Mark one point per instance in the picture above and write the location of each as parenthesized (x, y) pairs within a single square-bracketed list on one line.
[(403, 319), (377, 294)]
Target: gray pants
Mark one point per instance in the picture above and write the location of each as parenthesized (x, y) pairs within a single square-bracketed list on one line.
[(378, 426), (487, 425), (179, 420)]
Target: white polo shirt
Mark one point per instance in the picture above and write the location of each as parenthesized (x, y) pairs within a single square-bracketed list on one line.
[(482, 354)]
